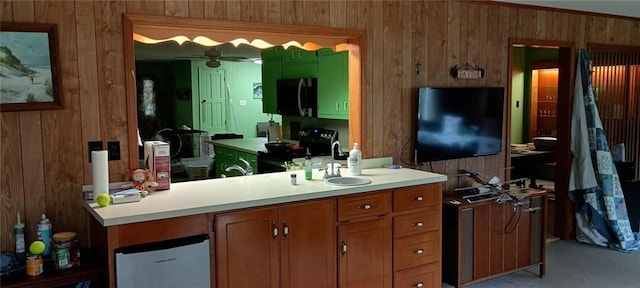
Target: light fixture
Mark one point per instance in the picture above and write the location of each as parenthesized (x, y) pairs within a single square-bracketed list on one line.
[(213, 64), (154, 37)]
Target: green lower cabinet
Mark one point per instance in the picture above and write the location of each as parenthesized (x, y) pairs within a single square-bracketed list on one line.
[(333, 84), (227, 157)]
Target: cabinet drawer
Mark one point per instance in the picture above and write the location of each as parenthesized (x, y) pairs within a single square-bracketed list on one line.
[(369, 204), (416, 223), (416, 250), (417, 197), (426, 276)]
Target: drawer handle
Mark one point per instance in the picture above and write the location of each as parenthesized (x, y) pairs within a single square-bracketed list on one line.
[(419, 251), (366, 207), (418, 224), (344, 247), (275, 230), (419, 198), (420, 284)]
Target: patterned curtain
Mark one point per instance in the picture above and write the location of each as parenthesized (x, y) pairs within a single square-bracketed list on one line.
[(594, 186)]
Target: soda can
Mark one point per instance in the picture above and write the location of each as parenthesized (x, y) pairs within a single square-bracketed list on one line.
[(34, 265)]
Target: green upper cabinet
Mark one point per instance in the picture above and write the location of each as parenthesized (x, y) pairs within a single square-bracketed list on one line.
[(333, 84), (299, 63), (329, 67), (271, 72)]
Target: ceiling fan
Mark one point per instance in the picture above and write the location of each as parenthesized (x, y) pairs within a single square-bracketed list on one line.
[(214, 58)]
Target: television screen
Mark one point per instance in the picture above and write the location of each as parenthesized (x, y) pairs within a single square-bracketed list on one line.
[(459, 122)]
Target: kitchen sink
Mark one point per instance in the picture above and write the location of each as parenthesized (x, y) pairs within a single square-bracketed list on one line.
[(347, 181)]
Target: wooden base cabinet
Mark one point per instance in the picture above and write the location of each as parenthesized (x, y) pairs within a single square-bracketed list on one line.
[(417, 236), (284, 246), (391, 238), (488, 239), (378, 239)]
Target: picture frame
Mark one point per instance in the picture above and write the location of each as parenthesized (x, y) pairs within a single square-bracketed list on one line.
[(29, 67), (257, 90)]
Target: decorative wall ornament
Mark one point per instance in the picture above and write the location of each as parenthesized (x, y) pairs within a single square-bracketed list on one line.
[(467, 71)]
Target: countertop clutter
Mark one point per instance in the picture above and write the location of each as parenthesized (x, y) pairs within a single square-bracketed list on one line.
[(215, 195)]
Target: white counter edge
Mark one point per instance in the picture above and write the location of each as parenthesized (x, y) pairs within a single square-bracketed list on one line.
[(334, 191)]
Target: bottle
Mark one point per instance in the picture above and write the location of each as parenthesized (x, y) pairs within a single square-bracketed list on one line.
[(43, 231), (308, 168), (355, 160), (18, 232)]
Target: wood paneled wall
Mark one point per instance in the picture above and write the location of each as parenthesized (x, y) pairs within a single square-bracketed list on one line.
[(44, 153)]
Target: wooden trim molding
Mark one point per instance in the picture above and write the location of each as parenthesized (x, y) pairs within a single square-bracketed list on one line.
[(165, 27)]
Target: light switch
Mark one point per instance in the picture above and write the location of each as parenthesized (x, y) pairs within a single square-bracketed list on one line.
[(243, 102)]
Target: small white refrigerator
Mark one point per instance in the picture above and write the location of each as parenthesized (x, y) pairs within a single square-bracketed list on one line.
[(180, 263)]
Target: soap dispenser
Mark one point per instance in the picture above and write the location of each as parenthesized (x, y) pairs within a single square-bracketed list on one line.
[(355, 160)]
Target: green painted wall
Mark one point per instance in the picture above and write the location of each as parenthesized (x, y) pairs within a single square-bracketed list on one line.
[(245, 111), (517, 95), (521, 87)]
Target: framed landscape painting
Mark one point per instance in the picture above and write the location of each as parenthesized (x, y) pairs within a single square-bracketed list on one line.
[(29, 67)]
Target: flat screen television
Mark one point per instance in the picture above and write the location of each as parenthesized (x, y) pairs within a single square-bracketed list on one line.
[(459, 122)]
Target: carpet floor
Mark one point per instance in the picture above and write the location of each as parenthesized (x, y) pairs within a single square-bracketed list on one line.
[(572, 264)]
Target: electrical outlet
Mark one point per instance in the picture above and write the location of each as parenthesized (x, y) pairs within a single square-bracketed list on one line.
[(114, 150), (94, 146)]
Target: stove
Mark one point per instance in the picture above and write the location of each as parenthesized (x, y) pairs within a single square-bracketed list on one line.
[(316, 140)]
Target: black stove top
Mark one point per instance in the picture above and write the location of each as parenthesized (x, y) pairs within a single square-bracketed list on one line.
[(316, 140)]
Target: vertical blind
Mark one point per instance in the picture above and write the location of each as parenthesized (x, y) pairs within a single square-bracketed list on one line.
[(616, 85)]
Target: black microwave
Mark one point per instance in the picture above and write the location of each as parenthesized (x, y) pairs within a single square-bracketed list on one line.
[(297, 97)]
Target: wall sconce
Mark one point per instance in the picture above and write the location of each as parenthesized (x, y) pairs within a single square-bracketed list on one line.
[(467, 71)]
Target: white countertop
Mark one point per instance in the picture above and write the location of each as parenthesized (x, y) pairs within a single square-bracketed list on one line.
[(248, 145), (216, 195)]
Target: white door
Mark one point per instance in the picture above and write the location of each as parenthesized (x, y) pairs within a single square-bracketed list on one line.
[(212, 100)]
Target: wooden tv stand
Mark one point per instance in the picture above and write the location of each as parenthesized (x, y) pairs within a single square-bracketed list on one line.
[(478, 244)]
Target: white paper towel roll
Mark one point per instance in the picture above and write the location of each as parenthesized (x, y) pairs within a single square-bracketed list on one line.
[(100, 170), (273, 132)]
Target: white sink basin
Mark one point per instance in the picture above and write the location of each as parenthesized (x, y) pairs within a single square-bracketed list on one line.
[(347, 181)]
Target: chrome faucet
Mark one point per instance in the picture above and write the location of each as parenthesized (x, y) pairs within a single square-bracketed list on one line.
[(337, 173), (244, 171)]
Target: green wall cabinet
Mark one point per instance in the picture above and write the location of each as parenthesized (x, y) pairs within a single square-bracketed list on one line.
[(226, 157), (329, 67), (299, 63), (271, 72), (333, 84)]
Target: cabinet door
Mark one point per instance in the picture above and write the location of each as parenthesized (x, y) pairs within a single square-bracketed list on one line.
[(271, 72), (221, 160), (253, 160), (308, 251), (333, 85), (299, 70), (247, 245), (299, 63), (365, 254)]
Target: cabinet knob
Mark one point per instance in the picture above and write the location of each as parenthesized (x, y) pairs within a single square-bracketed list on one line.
[(366, 207), (418, 224), (344, 247), (420, 284), (419, 251), (419, 198)]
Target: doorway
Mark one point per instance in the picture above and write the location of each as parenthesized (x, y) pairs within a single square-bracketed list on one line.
[(540, 95)]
